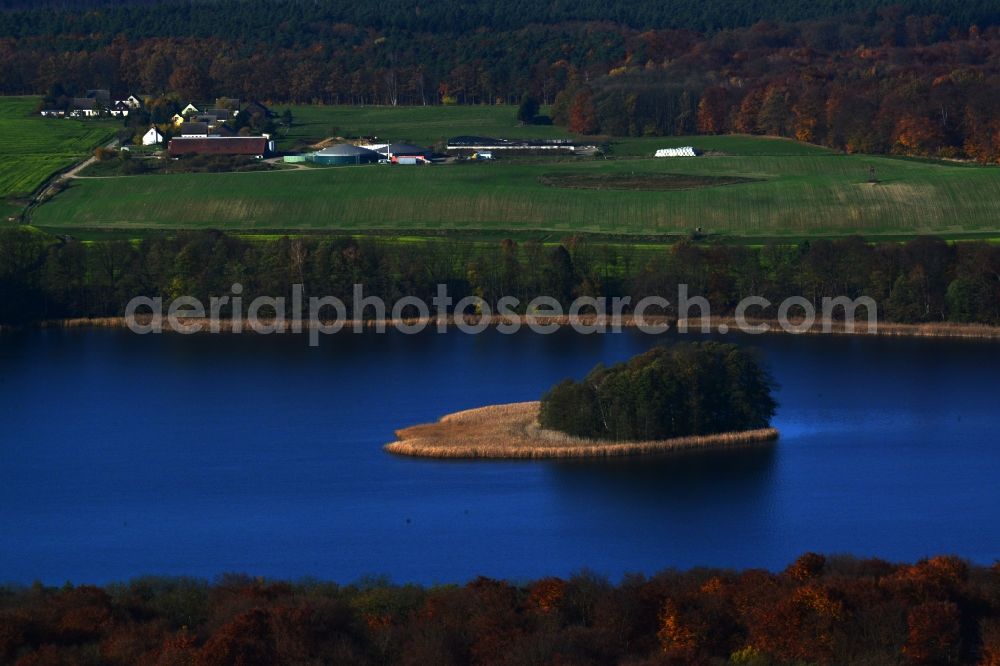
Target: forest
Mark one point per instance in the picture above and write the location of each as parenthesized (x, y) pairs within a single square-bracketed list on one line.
[(301, 22), (687, 389), (857, 75), (923, 280), (818, 610), (926, 99)]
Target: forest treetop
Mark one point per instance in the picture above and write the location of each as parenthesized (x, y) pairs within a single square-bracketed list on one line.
[(261, 20)]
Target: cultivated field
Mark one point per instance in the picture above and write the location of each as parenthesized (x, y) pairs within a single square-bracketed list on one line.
[(425, 125), (784, 190), (34, 148)]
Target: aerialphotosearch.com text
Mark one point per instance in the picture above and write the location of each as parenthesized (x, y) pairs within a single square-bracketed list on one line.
[(326, 315)]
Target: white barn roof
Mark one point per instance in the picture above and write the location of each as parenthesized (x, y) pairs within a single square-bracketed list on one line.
[(685, 151)]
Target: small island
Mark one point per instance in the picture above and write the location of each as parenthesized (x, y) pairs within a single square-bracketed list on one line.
[(685, 397)]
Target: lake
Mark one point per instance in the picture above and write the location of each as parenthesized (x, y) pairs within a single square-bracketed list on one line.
[(123, 455)]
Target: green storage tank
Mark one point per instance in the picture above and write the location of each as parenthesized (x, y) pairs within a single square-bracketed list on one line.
[(344, 154)]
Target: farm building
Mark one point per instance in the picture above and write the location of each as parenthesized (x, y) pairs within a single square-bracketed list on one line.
[(686, 151), (194, 129), (395, 151), (152, 137), (476, 144), (120, 109), (208, 119), (84, 107), (343, 154), (257, 109), (101, 96), (221, 145)]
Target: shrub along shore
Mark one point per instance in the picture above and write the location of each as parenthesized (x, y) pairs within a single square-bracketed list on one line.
[(885, 329), (511, 431)]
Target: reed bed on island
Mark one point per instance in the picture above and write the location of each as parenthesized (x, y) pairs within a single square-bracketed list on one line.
[(91, 322), (607, 324), (861, 327), (511, 431)]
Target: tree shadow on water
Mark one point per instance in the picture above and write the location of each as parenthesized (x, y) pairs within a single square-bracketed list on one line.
[(675, 479)]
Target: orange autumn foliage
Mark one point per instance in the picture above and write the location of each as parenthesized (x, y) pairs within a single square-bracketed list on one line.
[(545, 594), (819, 610), (933, 633), (676, 637)]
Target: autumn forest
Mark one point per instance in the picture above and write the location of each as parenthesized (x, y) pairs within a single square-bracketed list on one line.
[(817, 611), (857, 76)]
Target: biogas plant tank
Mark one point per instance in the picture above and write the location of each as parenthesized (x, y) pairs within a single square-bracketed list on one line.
[(344, 154)]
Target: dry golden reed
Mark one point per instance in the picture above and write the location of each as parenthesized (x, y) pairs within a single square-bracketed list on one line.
[(511, 431), (929, 330)]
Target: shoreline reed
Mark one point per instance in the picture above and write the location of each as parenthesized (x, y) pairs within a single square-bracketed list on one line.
[(884, 329), (511, 432)]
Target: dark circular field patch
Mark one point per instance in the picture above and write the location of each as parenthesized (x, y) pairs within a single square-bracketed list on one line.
[(637, 181)]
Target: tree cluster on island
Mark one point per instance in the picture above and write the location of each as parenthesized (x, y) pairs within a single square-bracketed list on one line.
[(698, 388)]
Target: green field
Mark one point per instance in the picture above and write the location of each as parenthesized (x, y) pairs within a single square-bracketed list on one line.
[(424, 125), (429, 125), (746, 146), (795, 191), (34, 148)]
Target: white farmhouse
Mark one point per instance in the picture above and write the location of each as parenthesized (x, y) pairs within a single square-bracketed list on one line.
[(152, 137)]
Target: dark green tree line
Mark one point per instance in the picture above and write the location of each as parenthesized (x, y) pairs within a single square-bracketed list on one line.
[(923, 280)]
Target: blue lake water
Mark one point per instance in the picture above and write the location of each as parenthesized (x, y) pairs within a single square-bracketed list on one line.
[(123, 455)]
